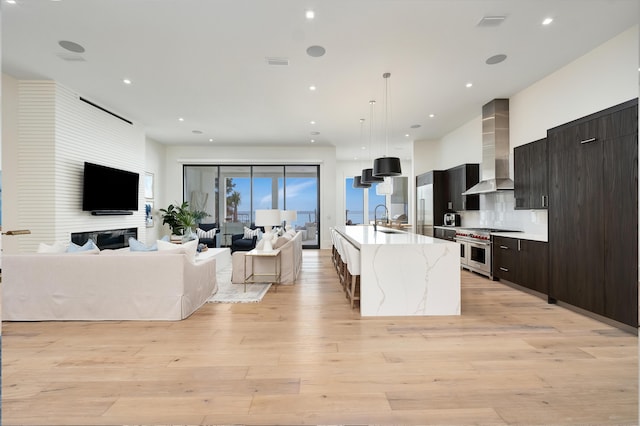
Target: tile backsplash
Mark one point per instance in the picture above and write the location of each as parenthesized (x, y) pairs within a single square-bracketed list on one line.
[(497, 211)]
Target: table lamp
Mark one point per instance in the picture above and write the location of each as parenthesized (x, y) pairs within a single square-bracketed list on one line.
[(268, 219), (288, 217)]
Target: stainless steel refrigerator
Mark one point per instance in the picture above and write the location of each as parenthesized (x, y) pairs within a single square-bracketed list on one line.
[(431, 190)]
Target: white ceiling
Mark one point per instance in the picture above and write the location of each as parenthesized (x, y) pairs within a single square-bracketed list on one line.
[(204, 60)]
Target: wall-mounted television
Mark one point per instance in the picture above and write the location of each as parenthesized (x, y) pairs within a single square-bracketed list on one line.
[(109, 191)]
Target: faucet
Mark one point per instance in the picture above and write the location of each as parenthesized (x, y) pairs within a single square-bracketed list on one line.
[(375, 216)]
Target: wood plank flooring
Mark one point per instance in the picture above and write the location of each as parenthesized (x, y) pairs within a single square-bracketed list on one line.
[(303, 356)]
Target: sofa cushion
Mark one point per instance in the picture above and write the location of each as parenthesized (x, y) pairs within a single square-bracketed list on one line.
[(88, 247), (58, 247), (201, 233)]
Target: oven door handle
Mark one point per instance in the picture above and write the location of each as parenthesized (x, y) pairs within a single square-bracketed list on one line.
[(480, 245)]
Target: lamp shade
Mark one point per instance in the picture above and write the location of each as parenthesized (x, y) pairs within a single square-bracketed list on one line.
[(268, 217), (288, 215), (357, 183), (387, 166), (368, 177), (385, 188)]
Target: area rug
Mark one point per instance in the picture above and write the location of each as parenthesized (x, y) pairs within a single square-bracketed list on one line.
[(234, 293)]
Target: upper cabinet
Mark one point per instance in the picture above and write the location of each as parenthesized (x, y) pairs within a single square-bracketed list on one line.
[(460, 179), (531, 184)]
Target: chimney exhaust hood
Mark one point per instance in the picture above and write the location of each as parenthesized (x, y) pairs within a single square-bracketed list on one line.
[(494, 170)]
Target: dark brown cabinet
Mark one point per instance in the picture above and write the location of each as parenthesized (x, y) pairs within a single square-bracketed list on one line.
[(593, 213), (460, 179), (530, 164), (523, 262)]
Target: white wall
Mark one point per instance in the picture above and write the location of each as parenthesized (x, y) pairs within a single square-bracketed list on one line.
[(49, 140), (9, 168), (155, 154), (177, 156)]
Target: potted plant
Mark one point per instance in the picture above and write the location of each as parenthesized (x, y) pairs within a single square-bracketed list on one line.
[(181, 219)]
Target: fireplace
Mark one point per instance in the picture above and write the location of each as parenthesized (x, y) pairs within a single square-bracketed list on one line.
[(109, 239)]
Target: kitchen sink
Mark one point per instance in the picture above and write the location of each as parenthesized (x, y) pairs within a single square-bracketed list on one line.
[(390, 231)]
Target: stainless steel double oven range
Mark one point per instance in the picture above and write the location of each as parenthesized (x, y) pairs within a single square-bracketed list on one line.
[(475, 249)]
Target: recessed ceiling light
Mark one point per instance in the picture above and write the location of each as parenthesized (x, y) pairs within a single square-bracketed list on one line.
[(126, 81), (11, 1), (313, 140), (431, 115), (496, 59), (210, 140), (547, 21), (309, 14), (468, 84), (312, 122), (363, 147), (180, 119), (406, 135), (312, 88)]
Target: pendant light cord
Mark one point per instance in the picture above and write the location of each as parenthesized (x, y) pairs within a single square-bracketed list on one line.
[(386, 76)]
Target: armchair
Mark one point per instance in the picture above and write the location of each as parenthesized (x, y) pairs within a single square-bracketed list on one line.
[(238, 243), (242, 244), (209, 240)]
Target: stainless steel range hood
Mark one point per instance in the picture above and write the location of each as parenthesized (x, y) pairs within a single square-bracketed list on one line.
[(494, 170)]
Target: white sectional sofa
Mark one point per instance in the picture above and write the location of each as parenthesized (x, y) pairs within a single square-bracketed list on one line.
[(114, 286), (290, 262)]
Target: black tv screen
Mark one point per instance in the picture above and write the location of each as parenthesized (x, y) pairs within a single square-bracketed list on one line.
[(109, 189)]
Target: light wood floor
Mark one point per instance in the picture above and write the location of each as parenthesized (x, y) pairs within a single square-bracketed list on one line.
[(302, 356)]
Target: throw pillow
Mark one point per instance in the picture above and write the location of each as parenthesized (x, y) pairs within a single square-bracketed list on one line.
[(189, 249), (135, 245), (58, 247), (280, 242), (291, 232), (250, 233), (206, 234), (88, 247)]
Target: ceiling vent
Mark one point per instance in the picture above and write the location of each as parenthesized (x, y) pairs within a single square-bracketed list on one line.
[(277, 61), (491, 21)]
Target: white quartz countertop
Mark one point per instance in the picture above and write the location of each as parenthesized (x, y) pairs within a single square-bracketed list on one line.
[(522, 236), (360, 235)]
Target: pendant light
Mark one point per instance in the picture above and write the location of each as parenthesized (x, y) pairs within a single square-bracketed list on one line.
[(367, 174), (357, 180), (386, 166)]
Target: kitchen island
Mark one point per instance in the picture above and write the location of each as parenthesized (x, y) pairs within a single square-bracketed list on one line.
[(404, 274)]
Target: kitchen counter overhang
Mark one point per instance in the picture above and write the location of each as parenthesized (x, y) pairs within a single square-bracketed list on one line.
[(405, 274)]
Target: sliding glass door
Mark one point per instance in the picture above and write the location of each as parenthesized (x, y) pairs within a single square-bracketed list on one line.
[(231, 194)]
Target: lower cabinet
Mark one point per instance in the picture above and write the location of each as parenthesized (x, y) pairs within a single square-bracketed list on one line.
[(523, 262)]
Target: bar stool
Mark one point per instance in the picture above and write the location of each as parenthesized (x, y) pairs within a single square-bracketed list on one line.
[(334, 250), (353, 283), (342, 260)]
